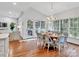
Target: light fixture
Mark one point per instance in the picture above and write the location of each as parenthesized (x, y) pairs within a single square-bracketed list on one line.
[(14, 3), (51, 17), (48, 18)]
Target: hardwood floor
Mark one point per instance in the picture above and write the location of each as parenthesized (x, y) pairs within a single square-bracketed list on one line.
[(30, 49)]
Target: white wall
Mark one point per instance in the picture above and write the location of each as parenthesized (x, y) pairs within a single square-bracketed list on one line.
[(33, 15)]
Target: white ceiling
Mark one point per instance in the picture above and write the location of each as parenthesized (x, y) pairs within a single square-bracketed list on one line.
[(47, 8), (55, 7)]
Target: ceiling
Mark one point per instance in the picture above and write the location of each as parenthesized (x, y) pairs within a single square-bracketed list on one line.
[(55, 7), (46, 8)]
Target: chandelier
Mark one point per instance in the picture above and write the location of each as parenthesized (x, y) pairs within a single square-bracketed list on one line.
[(51, 17)]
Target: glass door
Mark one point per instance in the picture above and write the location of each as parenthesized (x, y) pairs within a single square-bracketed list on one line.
[(30, 28)]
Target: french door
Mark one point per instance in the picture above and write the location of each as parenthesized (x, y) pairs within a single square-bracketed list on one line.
[(35, 26), (40, 26)]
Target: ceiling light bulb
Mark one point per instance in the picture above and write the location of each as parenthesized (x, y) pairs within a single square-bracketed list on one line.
[(48, 18), (14, 3)]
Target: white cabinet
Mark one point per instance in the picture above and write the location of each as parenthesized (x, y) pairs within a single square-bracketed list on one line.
[(4, 45)]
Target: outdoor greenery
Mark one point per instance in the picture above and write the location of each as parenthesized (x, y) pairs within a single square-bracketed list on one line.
[(70, 26), (30, 24), (56, 25), (12, 26)]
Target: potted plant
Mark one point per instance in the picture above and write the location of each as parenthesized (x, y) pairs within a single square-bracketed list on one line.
[(12, 26)]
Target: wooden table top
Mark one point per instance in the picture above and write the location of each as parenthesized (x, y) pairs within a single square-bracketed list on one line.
[(54, 36), (50, 34)]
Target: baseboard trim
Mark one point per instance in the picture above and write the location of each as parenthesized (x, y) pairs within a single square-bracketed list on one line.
[(73, 43)]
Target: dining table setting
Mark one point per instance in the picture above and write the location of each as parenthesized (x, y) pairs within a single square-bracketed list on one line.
[(53, 37)]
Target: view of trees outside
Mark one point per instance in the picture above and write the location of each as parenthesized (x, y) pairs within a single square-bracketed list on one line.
[(42, 24), (39, 25), (70, 26), (74, 27), (30, 27), (30, 24), (64, 27), (56, 25)]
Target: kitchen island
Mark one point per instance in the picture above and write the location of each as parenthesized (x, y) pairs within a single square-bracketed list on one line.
[(4, 44)]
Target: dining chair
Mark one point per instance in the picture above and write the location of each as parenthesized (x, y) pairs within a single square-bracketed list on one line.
[(40, 39), (66, 37), (48, 41), (61, 42)]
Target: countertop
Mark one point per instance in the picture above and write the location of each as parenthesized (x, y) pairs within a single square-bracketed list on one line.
[(5, 35)]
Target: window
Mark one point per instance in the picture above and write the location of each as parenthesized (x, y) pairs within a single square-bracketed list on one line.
[(64, 26), (37, 24), (42, 24), (74, 27), (30, 28), (56, 25), (30, 24), (69, 26)]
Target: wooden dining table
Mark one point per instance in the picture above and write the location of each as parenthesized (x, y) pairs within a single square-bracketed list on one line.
[(53, 36)]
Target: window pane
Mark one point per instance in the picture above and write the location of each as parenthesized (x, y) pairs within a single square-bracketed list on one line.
[(64, 26), (30, 24), (74, 27), (56, 25), (37, 24), (42, 24)]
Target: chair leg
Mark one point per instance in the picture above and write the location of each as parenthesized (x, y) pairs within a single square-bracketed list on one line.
[(44, 45), (54, 47), (59, 49), (38, 42), (48, 47)]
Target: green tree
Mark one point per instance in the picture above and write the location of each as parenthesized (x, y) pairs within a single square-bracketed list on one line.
[(12, 26)]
